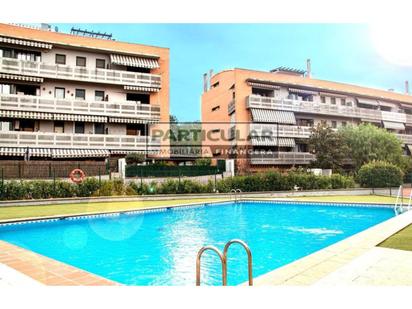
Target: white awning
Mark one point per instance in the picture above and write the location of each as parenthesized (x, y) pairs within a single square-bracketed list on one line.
[(272, 141), (21, 77), (85, 118), (409, 147), (79, 153), (15, 41), (26, 115), (12, 151), (303, 91), (263, 85), (368, 101), (273, 116), (387, 104), (134, 61), (141, 89), (40, 152), (131, 120), (393, 125)]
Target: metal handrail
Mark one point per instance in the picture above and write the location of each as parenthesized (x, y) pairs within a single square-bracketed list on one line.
[(398, 207), (222, 260), (249, 256)]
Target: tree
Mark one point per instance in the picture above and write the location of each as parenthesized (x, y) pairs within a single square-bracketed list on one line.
[(367, 143), (135, 158), (328, 146), (173, 119)]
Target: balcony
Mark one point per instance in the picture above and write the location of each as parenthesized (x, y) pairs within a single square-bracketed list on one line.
[(284, 130), (79, 141), (281, 158), (231, 107), (405, 138), (32, 68), (123, 109), (393, 116), (256, 101)]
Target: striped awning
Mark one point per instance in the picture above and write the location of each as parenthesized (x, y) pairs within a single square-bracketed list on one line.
[(12, 151), (131, 120), (302, 91), (263, 85), (273, 116), (26, 115), (40, 152), (133, 61), (21, 77), (393, 125), (409, 147), (368, 101), (120, 151), (141, 89), (14, 41), (80, 153), (272, 141), (85, 118)]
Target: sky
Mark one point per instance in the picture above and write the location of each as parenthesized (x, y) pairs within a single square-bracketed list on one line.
[(351, 53)]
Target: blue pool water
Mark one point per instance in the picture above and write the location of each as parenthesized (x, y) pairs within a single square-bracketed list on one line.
[(159, 248)]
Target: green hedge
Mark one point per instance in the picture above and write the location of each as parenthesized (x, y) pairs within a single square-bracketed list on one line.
[(379, 174), (273, 181), (170, 171)]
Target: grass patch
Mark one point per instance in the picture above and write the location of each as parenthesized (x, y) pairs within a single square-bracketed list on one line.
[(19, 212), (401, 240)]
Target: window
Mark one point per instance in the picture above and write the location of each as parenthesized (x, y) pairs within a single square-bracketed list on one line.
[(136, 129), (59, 93), (6, 126), (60, 59), (99, 95), (7, 53), (343, 101), (215, 85), (59, 127), (216, 108), (79, 127), (323, 99), (343, 123), (99, 128), (80, 94), (100, 63), (334, 124), (333, 101), (81, 61)]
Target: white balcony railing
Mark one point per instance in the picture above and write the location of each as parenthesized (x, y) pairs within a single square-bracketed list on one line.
[(393, 116), (256, 101), (281, 158), (39, 69), (78, 141), (284, 130), (124, 109), (405, 138)]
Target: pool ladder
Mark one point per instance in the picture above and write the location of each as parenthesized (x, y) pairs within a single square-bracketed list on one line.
[(237, 193), (398, 207), (223, 260)]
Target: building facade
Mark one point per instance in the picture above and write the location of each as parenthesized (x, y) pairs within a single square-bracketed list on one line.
[(267, 116), (73, 97)]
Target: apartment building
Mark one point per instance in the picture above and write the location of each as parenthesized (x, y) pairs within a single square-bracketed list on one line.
[(75, 97), (265, 118)]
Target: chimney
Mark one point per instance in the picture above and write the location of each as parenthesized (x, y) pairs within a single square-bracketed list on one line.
[(308, 68), (210, 77), (205, 82), (406, 87)]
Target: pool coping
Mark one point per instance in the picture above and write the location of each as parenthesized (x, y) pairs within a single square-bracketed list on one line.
[(284, 273)]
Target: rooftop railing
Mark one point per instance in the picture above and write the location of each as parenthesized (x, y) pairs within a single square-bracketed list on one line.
[(281, 158)]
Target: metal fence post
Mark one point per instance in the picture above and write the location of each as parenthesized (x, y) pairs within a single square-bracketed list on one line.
[(100, 180), (2, 183), (54, 182)]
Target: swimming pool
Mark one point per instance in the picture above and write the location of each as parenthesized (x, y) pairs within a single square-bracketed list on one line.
[(159, 247)]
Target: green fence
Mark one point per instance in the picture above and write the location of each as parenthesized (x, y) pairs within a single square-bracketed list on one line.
[(171, 171)]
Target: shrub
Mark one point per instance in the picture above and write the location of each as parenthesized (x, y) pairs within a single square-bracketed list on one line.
[(88, 187), (379, 174), (203, 162), (135, 158)]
